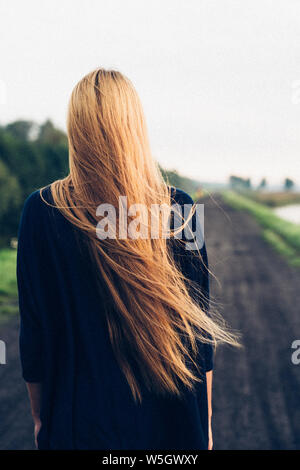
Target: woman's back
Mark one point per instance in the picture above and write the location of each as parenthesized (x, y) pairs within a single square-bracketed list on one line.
[(65, 344)]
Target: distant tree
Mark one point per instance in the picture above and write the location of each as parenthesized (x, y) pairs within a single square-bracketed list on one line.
[(20, 129), (23, 161), (10, 196), (55, 162), (288, 184), (238, 183), (262, 184), (49, 134), (26, 164)]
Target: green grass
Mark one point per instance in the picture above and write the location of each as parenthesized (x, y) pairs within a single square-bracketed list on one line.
[(8, 284), (282, 247), (284, 236)]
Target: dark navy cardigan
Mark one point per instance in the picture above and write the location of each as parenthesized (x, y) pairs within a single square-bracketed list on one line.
[(64, 343)]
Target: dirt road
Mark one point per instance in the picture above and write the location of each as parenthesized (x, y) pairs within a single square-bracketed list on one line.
[(256, 389)]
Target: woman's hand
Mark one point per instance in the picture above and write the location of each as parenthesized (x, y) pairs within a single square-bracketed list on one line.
[(209, 377), (37, 427), (210, 436), (35, 396)]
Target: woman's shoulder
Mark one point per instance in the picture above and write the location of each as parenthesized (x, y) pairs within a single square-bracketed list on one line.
[(41, 221), (38, 199), (38, 209), (180, 197), (195, 224)]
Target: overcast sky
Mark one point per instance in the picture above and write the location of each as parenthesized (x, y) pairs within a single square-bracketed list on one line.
[(219, 79)]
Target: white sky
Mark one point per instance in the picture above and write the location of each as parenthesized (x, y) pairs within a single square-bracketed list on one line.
[(219, 80)]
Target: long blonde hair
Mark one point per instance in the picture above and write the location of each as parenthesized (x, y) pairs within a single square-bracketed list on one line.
[(155, 322)]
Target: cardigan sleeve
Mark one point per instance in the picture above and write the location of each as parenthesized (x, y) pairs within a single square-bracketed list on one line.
[(194, 266), (29, 260)]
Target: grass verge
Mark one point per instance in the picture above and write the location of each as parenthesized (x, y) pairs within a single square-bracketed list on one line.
[(8, 284), (284, 236)]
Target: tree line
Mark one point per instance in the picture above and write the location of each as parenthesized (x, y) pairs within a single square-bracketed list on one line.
[(243, 184), (31, 156)]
